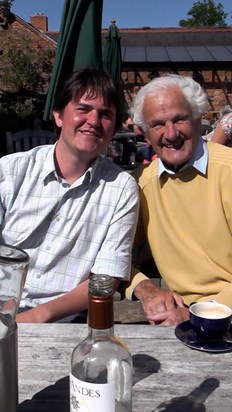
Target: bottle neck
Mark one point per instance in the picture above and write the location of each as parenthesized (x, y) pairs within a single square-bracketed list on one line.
[(101, 312)]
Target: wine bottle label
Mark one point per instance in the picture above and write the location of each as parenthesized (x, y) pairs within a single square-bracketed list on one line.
[(91, 397)]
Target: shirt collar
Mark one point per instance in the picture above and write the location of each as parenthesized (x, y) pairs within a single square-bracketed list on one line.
[(49, 165), (199, 160), (50, 169), (87, 177)]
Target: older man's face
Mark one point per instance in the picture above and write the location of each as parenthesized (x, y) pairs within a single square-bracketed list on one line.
[(171, 130)]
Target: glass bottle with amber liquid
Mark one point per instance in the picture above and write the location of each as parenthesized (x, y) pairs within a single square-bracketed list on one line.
[(101, 365)]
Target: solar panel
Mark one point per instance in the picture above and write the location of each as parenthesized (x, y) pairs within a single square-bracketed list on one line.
[(135, 54), (157, 54), (220, 53), (229, 48), (177, 54), (199, 53)]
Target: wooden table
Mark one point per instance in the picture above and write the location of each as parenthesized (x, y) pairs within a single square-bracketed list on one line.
[(164, 370)]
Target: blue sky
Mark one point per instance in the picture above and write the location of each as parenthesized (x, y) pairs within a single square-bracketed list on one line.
[(127, 13)]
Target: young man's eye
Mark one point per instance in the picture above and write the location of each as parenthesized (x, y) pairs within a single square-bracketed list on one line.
[(107, 115), (82, 109)]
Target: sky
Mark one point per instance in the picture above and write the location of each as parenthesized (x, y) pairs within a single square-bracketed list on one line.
[(127, 13)]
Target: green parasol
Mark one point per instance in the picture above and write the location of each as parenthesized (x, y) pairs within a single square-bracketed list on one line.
[(112, 57), (79, 43)]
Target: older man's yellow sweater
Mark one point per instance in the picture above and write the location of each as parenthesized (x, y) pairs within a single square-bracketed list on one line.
[(187, 218)]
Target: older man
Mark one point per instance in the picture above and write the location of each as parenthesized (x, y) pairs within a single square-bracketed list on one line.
[(186, 203)]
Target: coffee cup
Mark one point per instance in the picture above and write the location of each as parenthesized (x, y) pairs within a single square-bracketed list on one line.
[(210, 319)]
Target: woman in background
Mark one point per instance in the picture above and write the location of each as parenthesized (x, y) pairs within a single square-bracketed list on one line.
[(223, 131)]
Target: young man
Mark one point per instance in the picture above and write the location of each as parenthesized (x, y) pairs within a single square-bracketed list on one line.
[(186, 207), (72, 210)]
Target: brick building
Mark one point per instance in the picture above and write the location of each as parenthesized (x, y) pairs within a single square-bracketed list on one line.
[(203, 53)]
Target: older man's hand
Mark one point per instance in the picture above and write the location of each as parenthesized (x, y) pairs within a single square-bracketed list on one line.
[(160, 306), (169, 317)]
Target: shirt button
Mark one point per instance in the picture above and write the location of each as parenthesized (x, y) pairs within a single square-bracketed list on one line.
[(38, 276), (58, 219), (48, 248)]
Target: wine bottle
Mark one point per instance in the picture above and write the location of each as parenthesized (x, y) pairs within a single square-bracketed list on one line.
[(101, 365)]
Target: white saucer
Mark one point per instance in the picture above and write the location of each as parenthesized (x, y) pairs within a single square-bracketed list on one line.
[(188, 336)]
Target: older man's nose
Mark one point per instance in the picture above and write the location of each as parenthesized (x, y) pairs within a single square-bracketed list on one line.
[(170, 130)]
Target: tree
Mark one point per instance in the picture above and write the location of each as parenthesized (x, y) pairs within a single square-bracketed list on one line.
[(24, 68), (24, 74), (6, 5), (205, 13)]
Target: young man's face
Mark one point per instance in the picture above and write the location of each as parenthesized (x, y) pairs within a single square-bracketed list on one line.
[(171, 130), (87, 126)]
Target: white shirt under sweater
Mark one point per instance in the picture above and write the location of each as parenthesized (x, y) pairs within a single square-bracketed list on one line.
[(67, 230)]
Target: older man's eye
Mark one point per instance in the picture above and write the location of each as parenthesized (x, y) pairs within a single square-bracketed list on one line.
[(182, 120), (157, 126)]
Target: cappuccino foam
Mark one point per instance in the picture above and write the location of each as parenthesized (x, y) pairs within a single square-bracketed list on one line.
[(211, 313)]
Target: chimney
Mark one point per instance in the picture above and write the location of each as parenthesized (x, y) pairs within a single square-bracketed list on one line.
[(40, 22)]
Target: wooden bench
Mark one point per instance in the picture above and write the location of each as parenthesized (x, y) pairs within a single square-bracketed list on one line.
[(27, 139)]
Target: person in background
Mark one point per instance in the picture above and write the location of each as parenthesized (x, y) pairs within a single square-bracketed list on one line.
[(222, 133), (145, 153), (72, 210), (185, 219)]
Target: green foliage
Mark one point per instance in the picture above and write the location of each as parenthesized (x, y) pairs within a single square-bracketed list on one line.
[(6, 4), (26, 72), (205, 13), (21, 105), (23, 68), (20, 73)]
